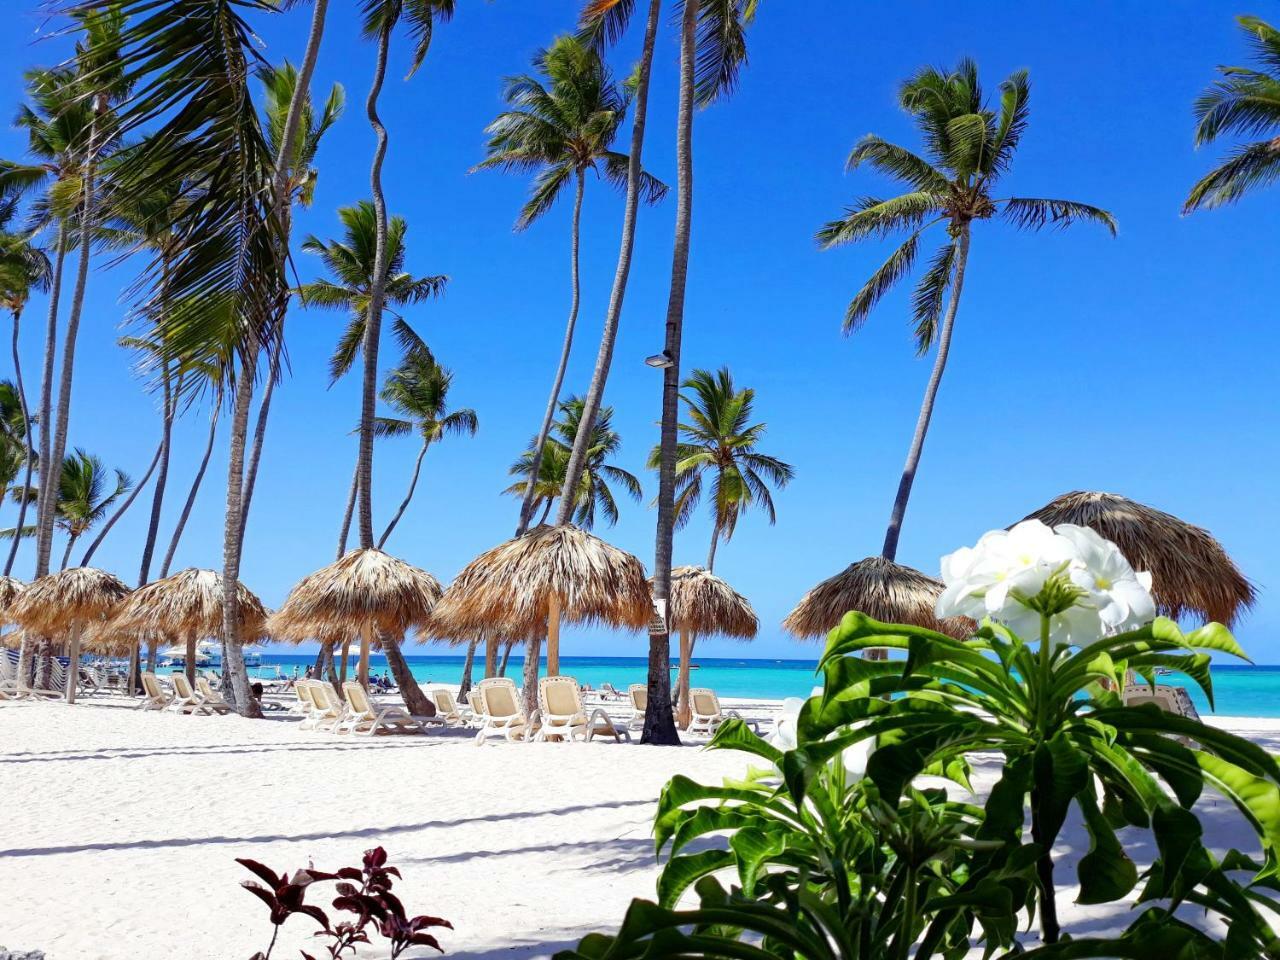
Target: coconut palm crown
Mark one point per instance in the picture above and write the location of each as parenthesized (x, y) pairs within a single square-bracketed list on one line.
[(1244, 101)]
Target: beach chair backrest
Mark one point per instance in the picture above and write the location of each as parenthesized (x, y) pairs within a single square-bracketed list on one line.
[(357, 697), (302, 690), (476, 702), (444, 701), (559, 697), (499, 696), (182, 687), (639, 695), (704, 702), (151, 684), (323, 697)]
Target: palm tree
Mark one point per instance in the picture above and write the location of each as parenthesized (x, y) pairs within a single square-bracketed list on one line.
[(24, 268), (593, 492), (968, 148), (722, 441), (418, 390), (1244, 101), (82, 497), (350, 265), (562, 124)]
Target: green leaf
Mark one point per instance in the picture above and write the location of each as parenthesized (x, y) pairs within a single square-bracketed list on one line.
[(1258, 798), (682, 871), (1106, 873), (1060, 773)]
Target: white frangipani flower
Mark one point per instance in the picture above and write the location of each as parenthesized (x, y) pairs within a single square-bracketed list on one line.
[(1121, 595)]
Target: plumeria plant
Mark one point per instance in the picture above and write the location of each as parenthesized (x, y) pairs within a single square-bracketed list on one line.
[(1065, 621), (839, 850)]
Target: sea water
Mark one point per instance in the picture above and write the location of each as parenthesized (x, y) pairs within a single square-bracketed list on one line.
[(1239, 691)]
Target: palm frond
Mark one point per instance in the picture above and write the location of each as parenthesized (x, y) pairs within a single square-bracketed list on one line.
[(930, 296), (1250, 167), (881, 282), (1034, 213)]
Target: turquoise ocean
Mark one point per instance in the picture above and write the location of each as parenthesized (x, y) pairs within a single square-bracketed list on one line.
[(1239, 691)]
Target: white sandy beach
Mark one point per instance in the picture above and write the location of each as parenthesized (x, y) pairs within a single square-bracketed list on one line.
[(121, 829)]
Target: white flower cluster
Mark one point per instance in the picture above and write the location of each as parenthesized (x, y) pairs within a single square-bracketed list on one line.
[(1003, 577)]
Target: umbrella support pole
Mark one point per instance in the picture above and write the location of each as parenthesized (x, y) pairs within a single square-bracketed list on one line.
[(491, 656), (73, 665), (366, 638), (684, 715), (342, 668), (553, 637), (135, 662), (189, 668)]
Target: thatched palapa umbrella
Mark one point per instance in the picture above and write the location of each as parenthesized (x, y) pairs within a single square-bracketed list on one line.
[(533, 583), (188, 605), (703, 604), (9, 590), (366, 593), (61, 605), (880, 588), (1190, 570)]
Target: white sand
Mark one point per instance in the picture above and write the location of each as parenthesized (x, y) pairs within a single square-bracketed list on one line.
[(120, 830)]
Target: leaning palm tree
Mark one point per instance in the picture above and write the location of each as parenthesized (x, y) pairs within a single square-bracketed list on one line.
[(418, 390), (24, 269), (350, 264), (593, 491), (969, 147), (561, 124), (720, 441), (1245, 101), (83, 496)]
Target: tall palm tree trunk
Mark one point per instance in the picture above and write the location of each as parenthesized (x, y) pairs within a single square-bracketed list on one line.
[(30, 454), (162, 477), (711, 553), (44, 542), (506, 658), (232, 545), (43, 500), (890, 550), (468, 665), (528, 506), (345, 532), (658, 724), (191, 494), (609, 336), (413, 485), (373, 321), (66, 554), (124, 506)]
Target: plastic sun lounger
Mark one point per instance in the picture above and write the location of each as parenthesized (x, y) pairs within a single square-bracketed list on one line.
[(303, 704), (707, 715), (476, 704), (8, 674), (503, 714), (447, 707), (154, 696), (330, 711), (185, 699), (638, 694), (365, 719), (564, 716), (211, 697)]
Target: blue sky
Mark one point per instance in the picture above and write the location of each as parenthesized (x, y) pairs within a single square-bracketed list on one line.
[(1144, 365)]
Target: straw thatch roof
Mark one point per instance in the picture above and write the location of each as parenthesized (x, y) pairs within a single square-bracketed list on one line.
[(50, 605), (9, 590), (881, 589), (365, 586), (188, 603), (509, 589), (1190, 571), (704, 604), (104, 637)]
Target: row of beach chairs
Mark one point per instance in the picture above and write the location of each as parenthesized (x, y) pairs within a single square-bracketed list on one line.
[(201, 701)]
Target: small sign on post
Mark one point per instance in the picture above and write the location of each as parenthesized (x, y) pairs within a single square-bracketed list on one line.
[(658, 622)]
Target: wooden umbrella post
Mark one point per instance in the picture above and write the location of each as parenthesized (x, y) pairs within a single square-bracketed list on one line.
[(553, 636), (135, 650), (189, 667), (73, 666), (683, 713), (342, 668), (491, 656), (366, 638)]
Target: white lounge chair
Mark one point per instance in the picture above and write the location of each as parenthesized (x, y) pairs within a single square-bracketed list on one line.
[(503, 713), (638, 694), (330, 711), (707, 715), (154, 696), (447, 708), (8, 674), (564, 715), (186, 700), (476, 704), (364, 718), (211, 697)]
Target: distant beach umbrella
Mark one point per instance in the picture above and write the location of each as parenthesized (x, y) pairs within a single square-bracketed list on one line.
[(528, 586), (703, 604), (1191, 573), (366, 593), (188, 605), (61, 605), (880, 588)]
